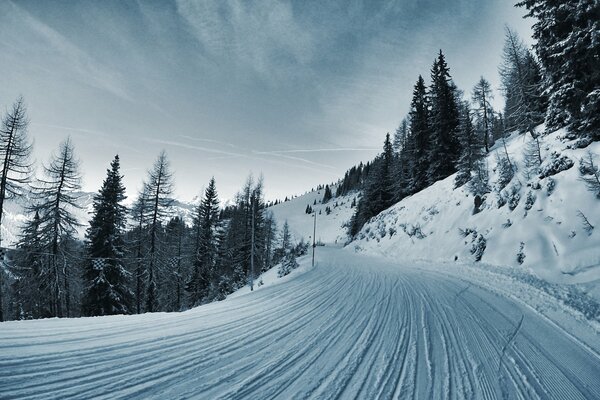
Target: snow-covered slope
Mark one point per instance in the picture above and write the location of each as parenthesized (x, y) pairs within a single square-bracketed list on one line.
[(330, 228), (543, 233), (354, 327)]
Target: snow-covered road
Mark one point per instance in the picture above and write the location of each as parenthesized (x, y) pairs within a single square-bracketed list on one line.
[(353, 327)]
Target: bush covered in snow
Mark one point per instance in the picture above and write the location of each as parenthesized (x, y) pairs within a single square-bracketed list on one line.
[(556, 163)]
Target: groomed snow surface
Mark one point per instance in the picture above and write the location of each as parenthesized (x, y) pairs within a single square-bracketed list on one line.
[(355, 326)]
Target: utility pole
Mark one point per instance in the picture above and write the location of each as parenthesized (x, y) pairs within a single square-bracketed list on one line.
[(252, 247), (314, 238)]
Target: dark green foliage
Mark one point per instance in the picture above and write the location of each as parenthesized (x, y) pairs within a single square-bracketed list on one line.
[(444, 148), (106, 282), (419, 137), (327, 195), (205, 226), (569, 51)]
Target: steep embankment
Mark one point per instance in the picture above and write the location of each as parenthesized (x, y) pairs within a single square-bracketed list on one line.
[(535, 222)]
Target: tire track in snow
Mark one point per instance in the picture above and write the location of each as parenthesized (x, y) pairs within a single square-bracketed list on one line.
[(356, 327)]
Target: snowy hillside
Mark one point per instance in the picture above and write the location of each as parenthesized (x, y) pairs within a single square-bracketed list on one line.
[(540, 227), (330, 227)]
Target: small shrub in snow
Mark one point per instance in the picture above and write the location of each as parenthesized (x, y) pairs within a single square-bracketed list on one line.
[(478, 247), (506, 170), (555, 164), (288, 264), (513, 196), (530, 200), (500, 200), (590, 173), (586, 225), (521, 253), (550, 186), (466, 232), (392, 231), (572, 234)]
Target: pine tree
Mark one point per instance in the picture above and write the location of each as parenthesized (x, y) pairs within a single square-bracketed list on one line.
[(400, 137), (140, 215), (159, 190), (569, 51), (106, 281), (379, 189), (481, 96), (327, 195), (15, 151), (175, 236), (444, 146), (470, 145), (419, 137), (30, 292), (205, 224), (56, 196)]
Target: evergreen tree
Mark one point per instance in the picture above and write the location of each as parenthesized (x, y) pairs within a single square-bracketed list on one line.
[(470, 145), (15, 151), (175, 235), (140, 216), (569, 51), (400, 137), (30, 293), (481, 96), (56, 196), (419, 137), (105, 278), (379, 191), (205, 224), (327, 195), (444, 146)]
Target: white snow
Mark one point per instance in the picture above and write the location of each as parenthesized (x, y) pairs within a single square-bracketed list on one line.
[(355, 326), (556, 247), (330, 228)]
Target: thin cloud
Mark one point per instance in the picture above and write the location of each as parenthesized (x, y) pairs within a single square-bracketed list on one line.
[(326, 150)]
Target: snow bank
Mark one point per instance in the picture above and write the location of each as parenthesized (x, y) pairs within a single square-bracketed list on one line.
[(543, 233)]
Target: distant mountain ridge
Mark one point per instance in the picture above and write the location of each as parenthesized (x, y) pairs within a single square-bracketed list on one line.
[(15, 214)]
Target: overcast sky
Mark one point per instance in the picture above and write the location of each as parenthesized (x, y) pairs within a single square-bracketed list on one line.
[(299, 91)]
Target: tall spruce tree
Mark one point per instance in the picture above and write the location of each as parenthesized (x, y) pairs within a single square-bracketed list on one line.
[(106, 282), (56, 195), (569, 51), (444, 146), (15, 170), (205, 226), (30, 293), (470, 146), (175, 249), (379, 191), (419, 136), (138, 244)]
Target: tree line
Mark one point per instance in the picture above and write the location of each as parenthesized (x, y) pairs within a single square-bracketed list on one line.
[(558, 83), (133, 259)]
